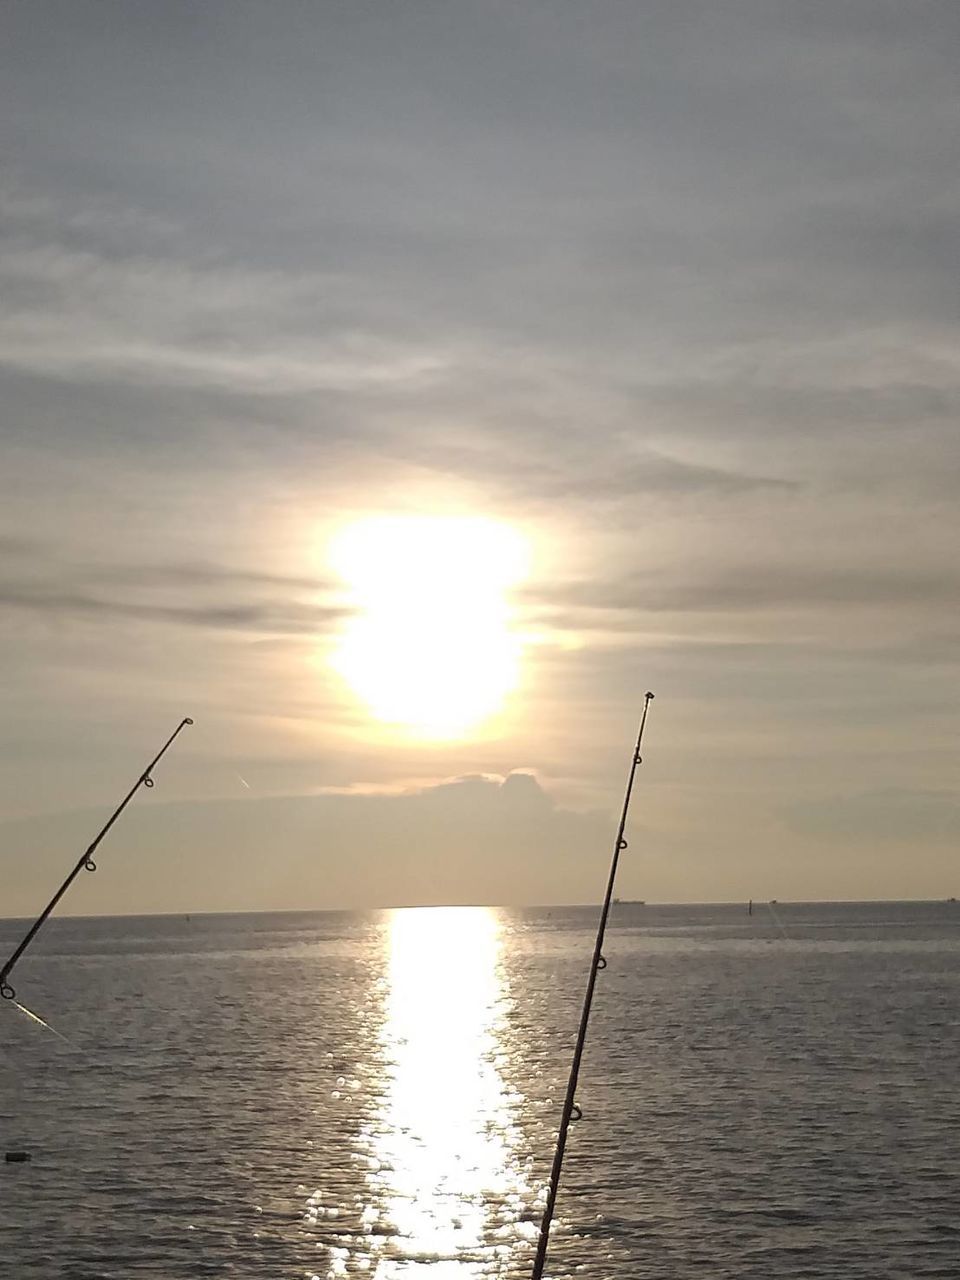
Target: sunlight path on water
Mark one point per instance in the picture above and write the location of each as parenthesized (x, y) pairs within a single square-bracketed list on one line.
[(446, 1153)]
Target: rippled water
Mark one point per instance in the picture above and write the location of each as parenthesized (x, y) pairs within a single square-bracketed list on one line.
[(289, 1096)]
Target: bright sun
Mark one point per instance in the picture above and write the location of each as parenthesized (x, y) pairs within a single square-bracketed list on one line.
[(431, 647)]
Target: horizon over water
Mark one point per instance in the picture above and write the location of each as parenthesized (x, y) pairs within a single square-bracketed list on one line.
[(736, 903), (292, 1095)]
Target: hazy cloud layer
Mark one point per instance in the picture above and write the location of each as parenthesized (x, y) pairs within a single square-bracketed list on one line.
[(894, 815), (469, 840)]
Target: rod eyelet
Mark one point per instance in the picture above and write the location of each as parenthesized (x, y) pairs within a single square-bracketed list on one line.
[(602, 962), (6, 991), (576, 1112), (89, 865)]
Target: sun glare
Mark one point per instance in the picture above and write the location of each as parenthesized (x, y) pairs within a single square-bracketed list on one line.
[(431, 647)]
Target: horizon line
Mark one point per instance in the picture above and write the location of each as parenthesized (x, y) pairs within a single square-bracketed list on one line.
[(491, 906)]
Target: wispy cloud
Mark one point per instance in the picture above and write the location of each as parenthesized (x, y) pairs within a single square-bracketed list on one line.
[(763, 586), (290, 620), (168, 322), (193, 595)]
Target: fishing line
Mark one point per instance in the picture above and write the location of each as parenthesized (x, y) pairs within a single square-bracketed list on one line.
[(85, 863), (780, 925), (571, 1111), (35, 1017)]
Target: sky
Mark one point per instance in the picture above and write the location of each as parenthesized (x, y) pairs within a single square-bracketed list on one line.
[(662, 298)]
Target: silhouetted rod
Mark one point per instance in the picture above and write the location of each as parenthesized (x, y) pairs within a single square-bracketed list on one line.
[(570, 1109), (86, 863)]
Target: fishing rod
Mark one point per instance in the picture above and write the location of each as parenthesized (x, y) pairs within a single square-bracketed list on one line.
[(85, 863), (570, 1109)]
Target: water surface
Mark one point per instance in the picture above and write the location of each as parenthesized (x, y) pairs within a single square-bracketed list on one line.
[(332, 1094)]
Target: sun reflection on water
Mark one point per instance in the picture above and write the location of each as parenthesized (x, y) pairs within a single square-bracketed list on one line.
[(447, 1166)]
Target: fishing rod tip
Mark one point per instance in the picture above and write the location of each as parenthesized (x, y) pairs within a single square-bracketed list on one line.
[(649, 696), (187, 720)]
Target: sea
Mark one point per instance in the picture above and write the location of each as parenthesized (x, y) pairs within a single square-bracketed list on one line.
[(325, 1095)]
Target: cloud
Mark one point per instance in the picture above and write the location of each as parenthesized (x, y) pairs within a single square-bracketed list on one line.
[(11, 545), (762, 586), (193, 595), (206, 575), (471, 840), (83, 316), (289, 619), (610, 470), (630, 476)]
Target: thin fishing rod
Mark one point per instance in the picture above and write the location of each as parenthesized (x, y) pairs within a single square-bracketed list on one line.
[(570, 1109), (85, 863)]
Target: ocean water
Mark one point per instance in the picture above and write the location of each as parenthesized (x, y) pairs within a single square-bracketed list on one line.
[(376, 1095)]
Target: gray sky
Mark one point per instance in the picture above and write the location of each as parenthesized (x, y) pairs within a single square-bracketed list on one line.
[(670, 288)]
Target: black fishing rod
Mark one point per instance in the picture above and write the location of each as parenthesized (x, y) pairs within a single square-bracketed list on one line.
[(86, 863), (570, 1109)]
